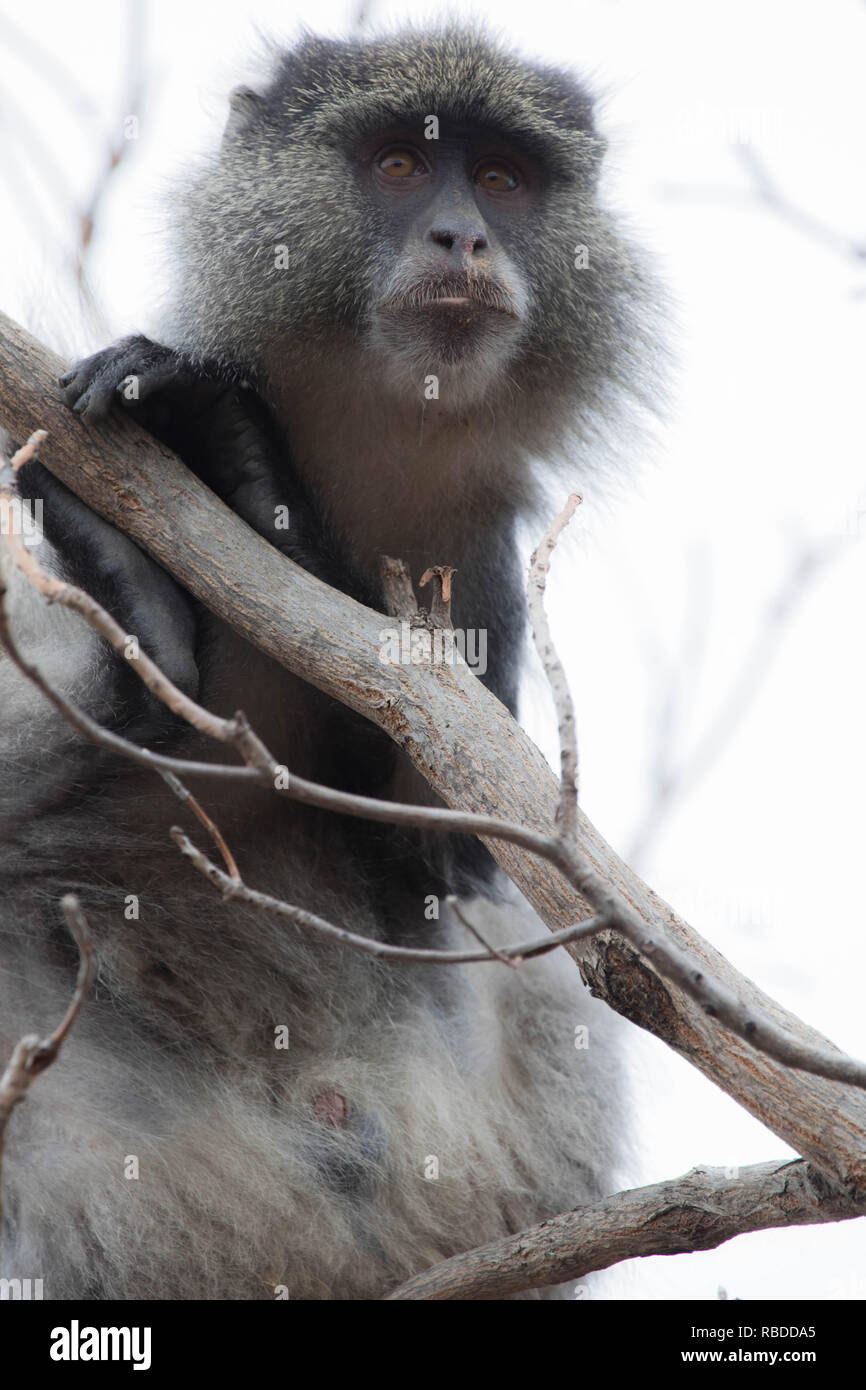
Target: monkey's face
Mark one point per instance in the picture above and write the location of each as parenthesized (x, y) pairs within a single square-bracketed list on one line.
[(447, 296), (417, 216)]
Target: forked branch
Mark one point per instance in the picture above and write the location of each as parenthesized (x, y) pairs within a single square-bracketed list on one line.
[(462, 741)]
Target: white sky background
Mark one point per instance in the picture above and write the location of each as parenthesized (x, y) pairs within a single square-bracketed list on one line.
[(661, 596)]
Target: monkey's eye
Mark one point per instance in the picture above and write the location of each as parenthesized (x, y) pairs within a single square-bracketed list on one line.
[(495, 176), (400, 164)]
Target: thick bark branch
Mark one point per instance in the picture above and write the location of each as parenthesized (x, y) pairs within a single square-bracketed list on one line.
[(695, 1212), (455, 732), (614, 913)]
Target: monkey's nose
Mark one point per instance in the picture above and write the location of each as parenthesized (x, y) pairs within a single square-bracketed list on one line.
[(455, 239)]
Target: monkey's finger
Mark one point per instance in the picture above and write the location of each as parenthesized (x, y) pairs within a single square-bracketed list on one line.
[(90, 386)]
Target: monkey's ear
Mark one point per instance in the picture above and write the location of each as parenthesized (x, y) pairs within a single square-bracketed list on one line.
[(243, 103)]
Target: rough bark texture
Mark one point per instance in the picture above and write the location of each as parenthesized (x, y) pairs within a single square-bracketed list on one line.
[(696, 1212), (458, 735)]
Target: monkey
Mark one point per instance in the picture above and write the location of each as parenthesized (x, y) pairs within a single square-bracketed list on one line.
[(397, 308)]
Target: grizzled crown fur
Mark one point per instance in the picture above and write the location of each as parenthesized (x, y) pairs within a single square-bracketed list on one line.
[(333, 92)]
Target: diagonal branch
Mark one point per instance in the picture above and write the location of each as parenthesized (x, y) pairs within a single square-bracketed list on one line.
[(456, 733), (676, 965), (696, 1212)]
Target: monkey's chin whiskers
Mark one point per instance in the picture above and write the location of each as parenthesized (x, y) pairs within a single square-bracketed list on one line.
[(434, 326)]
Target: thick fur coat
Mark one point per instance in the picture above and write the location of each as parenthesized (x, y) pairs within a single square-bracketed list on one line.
[(175, 1150)]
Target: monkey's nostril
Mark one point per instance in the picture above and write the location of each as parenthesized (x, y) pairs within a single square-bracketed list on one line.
[(467, 242), (442, 238)]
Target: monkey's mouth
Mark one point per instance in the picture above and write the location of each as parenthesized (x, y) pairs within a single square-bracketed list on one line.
[(474, 297), (450, 321)]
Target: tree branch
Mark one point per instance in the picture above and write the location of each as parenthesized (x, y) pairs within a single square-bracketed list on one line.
[(674, 964), (539, 565), (32, 1054), (696, 1212), (454, 731)]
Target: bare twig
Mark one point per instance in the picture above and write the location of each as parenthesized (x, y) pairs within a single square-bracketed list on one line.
[(309, 921), (452, 902), (32, 1054), (79, 601), (440, 603), (185, 795), (674, 779), (45, 65), (764, 190), (566, 812), (118, 148), (400, 600)]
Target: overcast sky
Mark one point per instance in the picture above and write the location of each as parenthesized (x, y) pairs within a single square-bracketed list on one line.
[(696, 634)]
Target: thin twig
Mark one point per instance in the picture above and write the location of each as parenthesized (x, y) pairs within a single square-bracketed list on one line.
[(185, 795), (32, 1054), (539, 566), (765, 190), (310, 921), (675, 779), (495, 953)]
